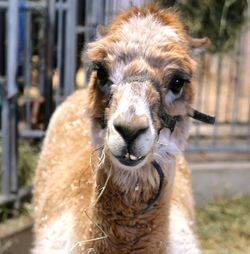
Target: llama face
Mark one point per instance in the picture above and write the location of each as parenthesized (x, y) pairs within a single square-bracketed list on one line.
[(141, 67), (133, 134), (131, 131)]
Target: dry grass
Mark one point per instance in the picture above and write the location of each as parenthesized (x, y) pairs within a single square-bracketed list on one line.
[(224, 226)]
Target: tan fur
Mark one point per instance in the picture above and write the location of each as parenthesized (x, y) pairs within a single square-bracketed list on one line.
[(71, 172)]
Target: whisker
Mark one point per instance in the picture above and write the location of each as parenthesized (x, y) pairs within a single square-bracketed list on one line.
[(98, 148), (92, 154), (101, 159)]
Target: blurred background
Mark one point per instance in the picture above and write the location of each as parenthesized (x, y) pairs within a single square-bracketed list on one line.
[(41, 63)]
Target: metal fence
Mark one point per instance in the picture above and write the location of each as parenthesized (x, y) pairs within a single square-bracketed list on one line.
[(40, 64)]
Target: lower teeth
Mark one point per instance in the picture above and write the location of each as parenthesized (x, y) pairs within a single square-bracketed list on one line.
[(131, 157)]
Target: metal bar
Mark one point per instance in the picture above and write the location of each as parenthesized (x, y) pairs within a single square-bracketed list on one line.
[(3, 4), (95, 15), (88, 25), (12, 55), (35, 6), (112, 9), (2, 79), (236, 93), (2, 85), (208, 92), (59, 56), (9, 138), (246, 71), (6, 147), (29, 5), (31, 134), (248, 132), (50, 30), (226, 123), (237, 148), (2, 41), (27, 65), (42, 52), (83, 29), (217, 101), (63, 6), (12, 39), (70, 49), (200, 95), (22, 193), (108, 12), (99, 14), (86, 22), (13, 145), (230, 89)]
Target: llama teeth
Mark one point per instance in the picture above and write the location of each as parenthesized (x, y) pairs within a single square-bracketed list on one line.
[(133, 158), (127, 156)]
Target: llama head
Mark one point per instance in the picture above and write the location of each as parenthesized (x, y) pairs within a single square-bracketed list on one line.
[(141, 68)]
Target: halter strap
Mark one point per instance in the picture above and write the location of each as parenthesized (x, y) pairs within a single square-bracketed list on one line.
[(195, 114), (153, 201)]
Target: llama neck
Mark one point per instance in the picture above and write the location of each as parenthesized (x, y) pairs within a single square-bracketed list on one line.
[(119, 213)]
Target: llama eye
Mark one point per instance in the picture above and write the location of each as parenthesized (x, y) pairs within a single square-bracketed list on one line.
[(103, 82), (102, 72), (176, 84)]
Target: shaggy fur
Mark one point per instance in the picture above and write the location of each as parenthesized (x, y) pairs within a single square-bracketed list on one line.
[(72, 170)]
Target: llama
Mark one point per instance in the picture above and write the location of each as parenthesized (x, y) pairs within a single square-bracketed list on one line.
[(116, 181)]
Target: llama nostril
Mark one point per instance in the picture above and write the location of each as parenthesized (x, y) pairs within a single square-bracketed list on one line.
[(132, 129), (130, 134)]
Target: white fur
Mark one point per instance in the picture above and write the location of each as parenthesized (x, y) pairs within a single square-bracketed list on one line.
[(170, 97), (137, 42), (157, 32), (117, 73), (166, 144), (181, 237), (129, 98), (56, 237), (97, 135)]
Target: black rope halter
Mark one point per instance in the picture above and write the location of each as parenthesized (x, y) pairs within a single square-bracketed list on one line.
[(153, 201)]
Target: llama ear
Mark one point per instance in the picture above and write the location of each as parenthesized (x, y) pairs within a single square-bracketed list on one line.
[(101, 31), (197, 46)]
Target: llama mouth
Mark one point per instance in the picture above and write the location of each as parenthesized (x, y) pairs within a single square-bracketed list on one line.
[(130, 159)]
